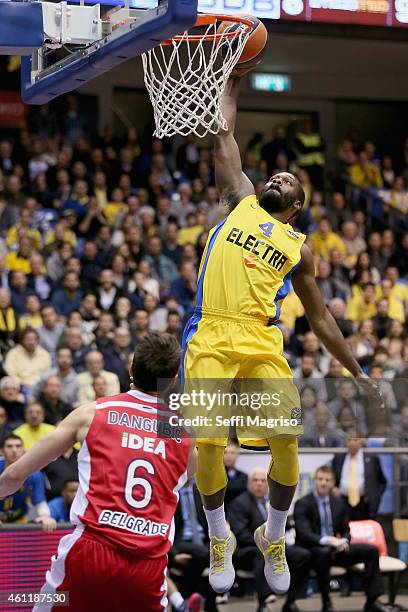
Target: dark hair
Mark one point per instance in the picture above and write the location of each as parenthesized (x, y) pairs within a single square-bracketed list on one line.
[(11, 436), (26, 331), (156, 357), (326, 469), (67, 480)]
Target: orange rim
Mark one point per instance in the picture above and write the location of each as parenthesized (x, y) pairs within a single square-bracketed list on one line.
[(206, 19)]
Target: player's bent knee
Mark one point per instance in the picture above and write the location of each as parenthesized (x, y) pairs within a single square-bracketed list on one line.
[(284, 466), (211, 476)]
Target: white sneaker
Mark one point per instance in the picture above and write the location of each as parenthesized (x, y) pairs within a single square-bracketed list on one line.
[(276, 569), (222, 573)]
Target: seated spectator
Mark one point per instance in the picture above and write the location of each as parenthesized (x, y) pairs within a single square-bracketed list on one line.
[(37, 280), (19, 291), (171, 248), (396, 296), (333, 378), (184, 288), (400, 382), (321, 523), (347, 395), (394, 343), (23, 227), (325, 240), (107, 291), (381, 320), (32, 317), (20, 260), (60, 507), (12, 400), (162, 268), (50, 398), (14, 508), (362, 306), (246, 513), (122, 312), (69, 297), (104, 331), (337, 309), (319, 430), (55, 263), (50, 330), (73, 339), (174, 325), (5, 428), (140, 325), (360, 480), (308, 375), (68, 379), (34, 427), (27, 360), (364, 342), (397, 196), (364, 263), (355, 245), (95, 367), (100, 387), (116, 356), (364, 174), (62, 469), (8, 320), (329, 287), (157, 313), (237, 480)]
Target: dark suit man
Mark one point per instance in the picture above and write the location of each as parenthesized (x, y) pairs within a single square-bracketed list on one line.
[(246, 513), (360, 479), (190, 554), (237, 480), (321, 522)]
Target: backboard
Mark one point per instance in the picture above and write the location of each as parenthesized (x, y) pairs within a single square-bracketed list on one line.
[(72, 43)]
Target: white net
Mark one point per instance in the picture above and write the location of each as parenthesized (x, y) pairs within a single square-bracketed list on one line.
[(186, 78)]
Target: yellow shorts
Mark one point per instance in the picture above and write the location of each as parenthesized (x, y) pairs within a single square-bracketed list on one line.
[(239, 360)]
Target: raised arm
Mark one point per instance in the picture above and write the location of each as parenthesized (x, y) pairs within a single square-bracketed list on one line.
[(72, 429), (231, 182), (324, 325)]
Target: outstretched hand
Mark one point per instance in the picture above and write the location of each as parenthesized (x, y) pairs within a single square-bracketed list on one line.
[(372, 391), (240, 70)]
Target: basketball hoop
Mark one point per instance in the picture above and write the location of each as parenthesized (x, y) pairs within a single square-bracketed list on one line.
[(185, 76)]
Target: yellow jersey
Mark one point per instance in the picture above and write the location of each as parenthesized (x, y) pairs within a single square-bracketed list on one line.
[(247, 263)]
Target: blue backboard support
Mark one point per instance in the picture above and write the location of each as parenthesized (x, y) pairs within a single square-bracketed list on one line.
[(170, 19), (21, 28)]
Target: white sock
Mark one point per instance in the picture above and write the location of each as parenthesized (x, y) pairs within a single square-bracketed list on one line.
[(176, 600), (275, 525), (217, 524)]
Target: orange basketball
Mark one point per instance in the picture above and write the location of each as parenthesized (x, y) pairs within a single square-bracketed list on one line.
[(256, 42)]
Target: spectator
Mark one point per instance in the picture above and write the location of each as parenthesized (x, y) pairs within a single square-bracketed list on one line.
[(8, 320), (34, 428), (14, 508), (237, 480), (66, 375), (171, 248), (116, 356), (360, 480), (355, 245), (51, 329), (337, 309), (5, 428), (11, 400), (62, 469), (104, 331), (32, 318), (95, 367), (246, 513), (27, 360), (19, 260), (271, 150), (184, 288), (100, 387), (307, 374), (174, 325), (37, 280), (60, 507), (122, 312), (394, 343), (347, 396), (140, 326), (319, 432), (333, 378), (321, 522), (325, 240), (381, 320), (310, 148), (365, 174), (157, 314), (108, 293), (364, 342), (363, 306), (162, 268), (69, 298), (55, 409), (73, 340)]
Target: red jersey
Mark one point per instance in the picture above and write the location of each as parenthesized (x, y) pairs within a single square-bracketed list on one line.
[(129, 476)]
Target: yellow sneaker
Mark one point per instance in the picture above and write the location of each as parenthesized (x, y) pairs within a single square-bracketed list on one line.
[(222, 573), (276, 569)]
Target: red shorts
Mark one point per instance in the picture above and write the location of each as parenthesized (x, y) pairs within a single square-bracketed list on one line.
[(100, 579)]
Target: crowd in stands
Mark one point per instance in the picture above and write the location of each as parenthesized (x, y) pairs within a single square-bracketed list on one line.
[(101, 239)]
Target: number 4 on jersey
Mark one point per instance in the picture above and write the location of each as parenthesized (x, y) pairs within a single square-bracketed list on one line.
[(266, 229)]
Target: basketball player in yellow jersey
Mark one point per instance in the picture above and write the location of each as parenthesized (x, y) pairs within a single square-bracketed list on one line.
[(249, 260)]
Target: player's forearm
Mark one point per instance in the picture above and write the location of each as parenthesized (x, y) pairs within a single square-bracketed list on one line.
[(327, 331)]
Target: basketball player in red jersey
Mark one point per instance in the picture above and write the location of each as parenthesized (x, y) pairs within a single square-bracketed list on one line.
[(129, 477)]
